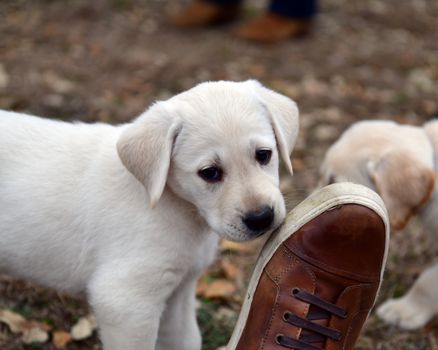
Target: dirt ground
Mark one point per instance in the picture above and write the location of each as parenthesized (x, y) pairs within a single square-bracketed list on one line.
[(107, 60)]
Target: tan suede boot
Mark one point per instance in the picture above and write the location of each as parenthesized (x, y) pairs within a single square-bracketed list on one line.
[(271, 27), (202, 13)]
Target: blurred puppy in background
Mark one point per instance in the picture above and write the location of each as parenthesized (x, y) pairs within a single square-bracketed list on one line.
[(397, 161)]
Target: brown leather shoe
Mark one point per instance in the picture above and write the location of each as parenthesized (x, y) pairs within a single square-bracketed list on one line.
[(203, 13), (317, 277), (271, 27)]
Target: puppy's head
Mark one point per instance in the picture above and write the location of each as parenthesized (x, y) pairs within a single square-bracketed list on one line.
[(395, 160), (217, 146)]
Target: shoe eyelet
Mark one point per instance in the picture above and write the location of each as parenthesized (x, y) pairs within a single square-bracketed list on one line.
[(295, 291), (278, 338), (286, 316)]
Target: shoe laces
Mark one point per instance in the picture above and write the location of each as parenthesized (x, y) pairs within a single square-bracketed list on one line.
[(315, 332)]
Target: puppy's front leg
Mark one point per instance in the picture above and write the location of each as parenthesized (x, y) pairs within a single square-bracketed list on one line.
[(128, 304), (178, 327), (417, 307)]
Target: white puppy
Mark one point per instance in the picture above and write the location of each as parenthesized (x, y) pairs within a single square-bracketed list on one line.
[(399, 162), (131, 214)]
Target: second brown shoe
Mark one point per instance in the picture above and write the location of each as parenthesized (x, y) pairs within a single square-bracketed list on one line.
[(204, 13), (270, 27), (317, 278)]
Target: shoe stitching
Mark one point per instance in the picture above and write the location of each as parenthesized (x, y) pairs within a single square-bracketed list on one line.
[(309, 272), (289, 266), (273, 314), (297, 251), (361, 310), (296, 261), (350, 327), (276, 280), (275, 306), (361, 287), (292, 263)]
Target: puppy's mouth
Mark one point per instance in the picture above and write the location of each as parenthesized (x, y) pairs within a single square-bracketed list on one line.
[(240, 227), (240, 234)]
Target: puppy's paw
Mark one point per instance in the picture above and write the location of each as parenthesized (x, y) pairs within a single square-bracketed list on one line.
[(404, 313)]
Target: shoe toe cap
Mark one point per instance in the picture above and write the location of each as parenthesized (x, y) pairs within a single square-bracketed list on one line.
[(350, 239)]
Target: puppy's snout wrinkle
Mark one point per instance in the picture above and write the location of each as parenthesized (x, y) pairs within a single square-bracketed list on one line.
[(259, 220)]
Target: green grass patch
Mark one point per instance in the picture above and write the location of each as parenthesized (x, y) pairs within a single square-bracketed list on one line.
[(215, 330)]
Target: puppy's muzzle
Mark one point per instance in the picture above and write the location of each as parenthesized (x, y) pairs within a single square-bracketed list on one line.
[(259, 221)]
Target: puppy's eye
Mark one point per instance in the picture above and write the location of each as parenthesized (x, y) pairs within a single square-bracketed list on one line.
[(263, 156), (211, 174)]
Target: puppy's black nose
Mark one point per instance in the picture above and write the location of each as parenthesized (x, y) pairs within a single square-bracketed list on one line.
[(259, 220)]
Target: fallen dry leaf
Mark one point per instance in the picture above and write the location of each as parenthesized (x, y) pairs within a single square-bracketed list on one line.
[(84, 328), (4, 77), (61, 339), (246, 247), (230, 270), (36, 332), (34, 335), (57, 83), (14, 321), (33, 331), (220, 288), (201, 287)]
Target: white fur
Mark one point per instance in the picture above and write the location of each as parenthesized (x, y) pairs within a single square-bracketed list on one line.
[(73, 217), (399, 162)]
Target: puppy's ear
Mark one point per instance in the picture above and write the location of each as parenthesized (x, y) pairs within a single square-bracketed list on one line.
[(145, 148), (284, 118), (403, 183)]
